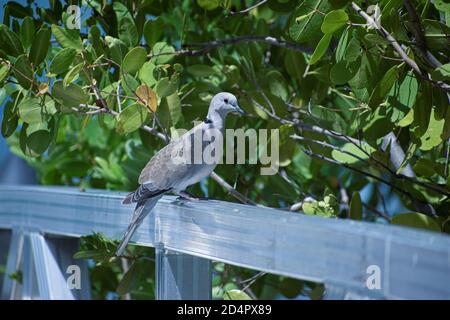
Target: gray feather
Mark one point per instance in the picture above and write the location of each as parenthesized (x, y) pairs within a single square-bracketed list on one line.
[(143, 208)]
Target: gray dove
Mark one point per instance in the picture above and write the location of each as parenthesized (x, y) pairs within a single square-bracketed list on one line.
[(166, 173)]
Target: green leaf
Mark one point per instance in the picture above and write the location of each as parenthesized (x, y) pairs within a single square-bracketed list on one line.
[(96, 40), (153, 30), (27, 30), (128, 280), (308, 29), (343, 71), (321, 48), (407, 91), (88, 254), (356, 207), (342, 45), (165, 87), (377, 124), (67, 38), (127, 30), (352, 51), (442, 5), (62, 60), (73, 74), (351, 153), (174, 104), (39, 140), (295, 64), (146, 74), (200, 70), (424, 167), (277, 84), (432, 136), (4, 71), (70, 96), (23, 142), (10, 120), (364, 76), (9, 41), (30, 110), (287, 146), (23, 71), (416, 220), (162, 53), (40, 46), (236, 294), (422, 110), (442, 73), (333, 21), (383, 87), (134, 60), (131, 118), (35, 139), (116, 49), (291, 288), (129, 84), (208, 4), (407, 120)]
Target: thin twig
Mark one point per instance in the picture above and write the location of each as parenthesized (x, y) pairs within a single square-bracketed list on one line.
[(205, 47), (119, 103), (420, 40), (247, 10), (378, 212)]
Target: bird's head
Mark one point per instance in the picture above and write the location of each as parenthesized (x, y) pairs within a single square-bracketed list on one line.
[(224, 103)]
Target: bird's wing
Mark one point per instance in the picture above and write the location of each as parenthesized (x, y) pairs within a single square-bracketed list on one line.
[(162, 172)]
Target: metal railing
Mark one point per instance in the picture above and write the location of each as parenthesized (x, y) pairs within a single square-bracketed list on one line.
[(346, 256)]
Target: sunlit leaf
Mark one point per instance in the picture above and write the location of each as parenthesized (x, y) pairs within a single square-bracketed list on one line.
[(67, 38), (147, 97), (321, 48), (134, 60), (131, 118), (334, 20), (30, 110), (162, 53), (62, 60), (235, 294), (416, 220)]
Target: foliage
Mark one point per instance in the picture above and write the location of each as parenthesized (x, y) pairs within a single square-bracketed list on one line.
[(357, 114)]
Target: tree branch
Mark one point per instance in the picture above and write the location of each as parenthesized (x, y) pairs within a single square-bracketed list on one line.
[(419, 36), (399, 49), (205, 47), (247, 10)]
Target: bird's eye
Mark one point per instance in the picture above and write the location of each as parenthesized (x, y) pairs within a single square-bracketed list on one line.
[(225, 100)]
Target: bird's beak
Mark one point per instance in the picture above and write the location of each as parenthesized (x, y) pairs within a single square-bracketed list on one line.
[(238, 110)]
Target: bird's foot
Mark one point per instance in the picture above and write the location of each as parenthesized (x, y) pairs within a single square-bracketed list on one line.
[(184, 195)]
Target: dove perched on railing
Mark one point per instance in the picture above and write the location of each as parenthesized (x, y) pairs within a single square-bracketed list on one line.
[(179, 164)]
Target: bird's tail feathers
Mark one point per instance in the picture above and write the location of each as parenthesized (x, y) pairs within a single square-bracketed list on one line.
[(128, 199), (143, 208)]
